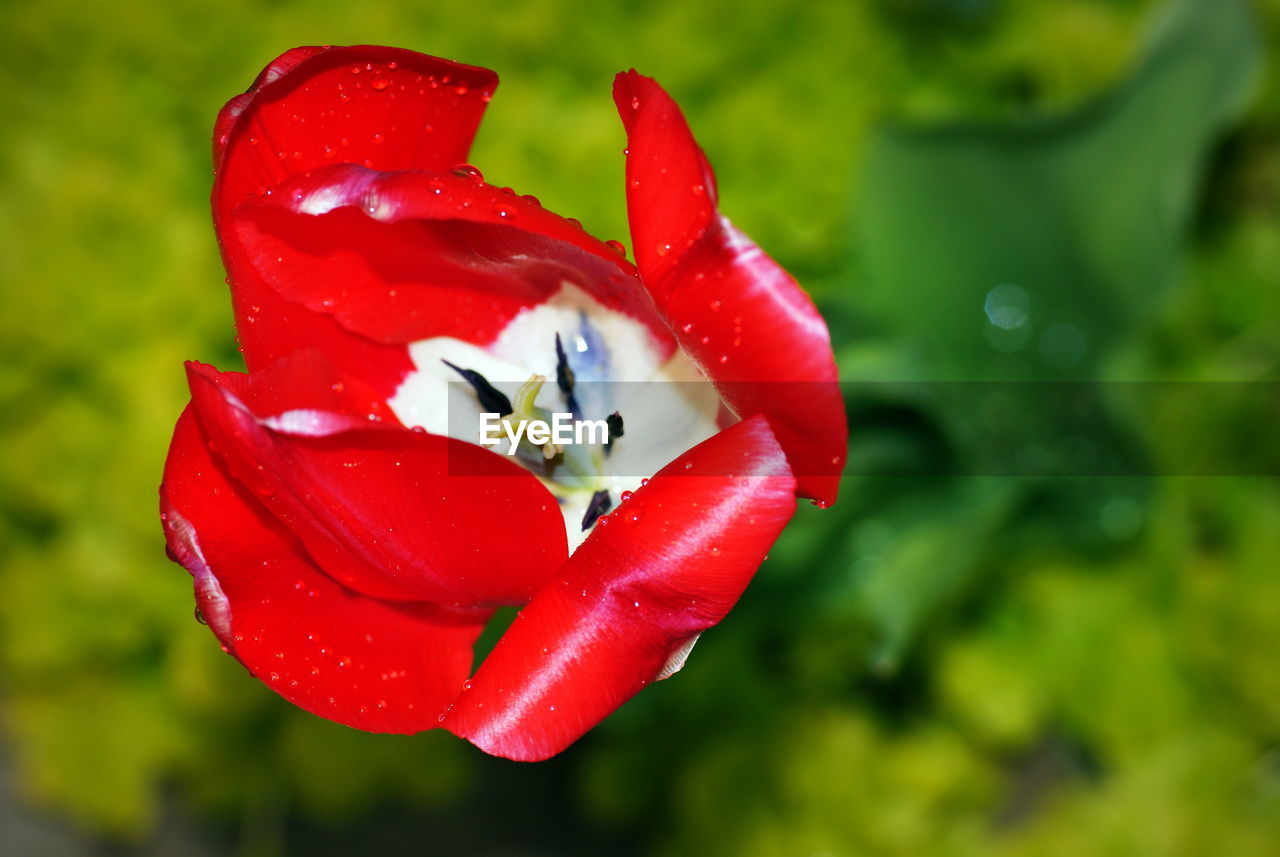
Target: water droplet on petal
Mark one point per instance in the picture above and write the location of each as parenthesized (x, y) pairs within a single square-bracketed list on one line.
[(617, 247), (469, 172), (379, 83)]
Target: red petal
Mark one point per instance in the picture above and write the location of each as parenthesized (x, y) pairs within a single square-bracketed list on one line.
[(741, 317), (270, 328), (369, 664), (667, 565), (308, 109), (385, 108), (377, 508), (398, 257), (305, 381)]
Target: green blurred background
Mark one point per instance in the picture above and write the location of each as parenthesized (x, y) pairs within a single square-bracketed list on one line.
[(945, 663)]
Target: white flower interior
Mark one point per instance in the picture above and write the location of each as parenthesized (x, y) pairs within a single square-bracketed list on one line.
[(667, 406)]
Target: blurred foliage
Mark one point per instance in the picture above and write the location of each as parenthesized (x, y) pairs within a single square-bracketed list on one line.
[(941, 664)]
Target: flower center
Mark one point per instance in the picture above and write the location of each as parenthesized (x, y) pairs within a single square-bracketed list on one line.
[(616, 413)]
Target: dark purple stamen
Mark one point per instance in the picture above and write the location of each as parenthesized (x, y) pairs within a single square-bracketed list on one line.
[(614, 423), (564, 378), (600, 503), (491, 398)]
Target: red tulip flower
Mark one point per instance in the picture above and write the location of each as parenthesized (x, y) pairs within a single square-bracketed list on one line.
[(348, 544)]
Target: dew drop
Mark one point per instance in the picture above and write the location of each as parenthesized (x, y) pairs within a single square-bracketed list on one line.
[(377, 137), (625, 496), (617, 247), (469, 172), (687, 327), (466, 685), (379, 83)]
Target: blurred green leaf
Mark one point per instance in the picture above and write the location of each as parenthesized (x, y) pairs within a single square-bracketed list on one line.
[(1027, 250)]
